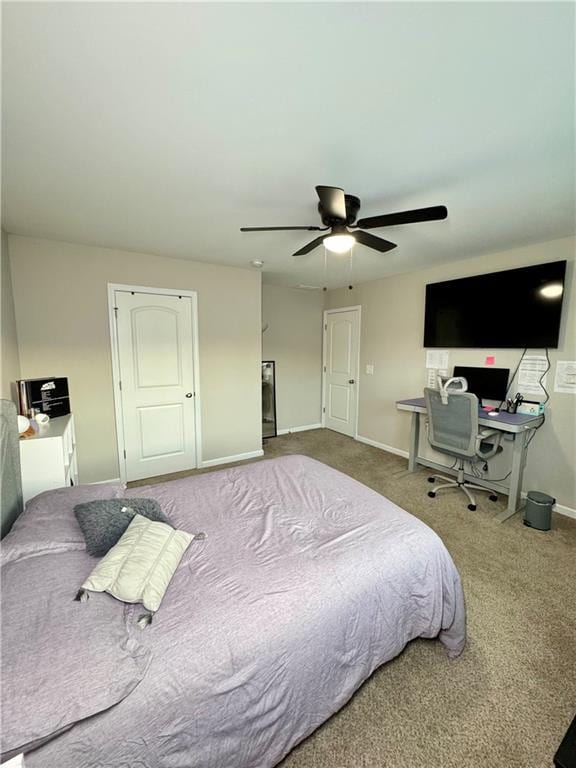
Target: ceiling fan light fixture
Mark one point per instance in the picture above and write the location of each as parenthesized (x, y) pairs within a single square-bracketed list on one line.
[(339, 211), (339, 243)]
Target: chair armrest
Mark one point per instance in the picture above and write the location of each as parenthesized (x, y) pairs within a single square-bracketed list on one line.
[(487, 434), (484, 433)]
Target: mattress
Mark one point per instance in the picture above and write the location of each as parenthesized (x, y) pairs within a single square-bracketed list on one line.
[(307, 581)]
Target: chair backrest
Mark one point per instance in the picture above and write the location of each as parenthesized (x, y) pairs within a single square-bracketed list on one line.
[(452, 427)]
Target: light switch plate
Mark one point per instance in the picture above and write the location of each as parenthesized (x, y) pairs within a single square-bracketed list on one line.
[(369, 370)]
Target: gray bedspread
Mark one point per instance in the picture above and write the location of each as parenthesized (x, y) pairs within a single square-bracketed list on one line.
[(307, 582)]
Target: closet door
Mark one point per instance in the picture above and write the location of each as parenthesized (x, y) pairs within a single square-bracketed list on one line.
[(156, 363)]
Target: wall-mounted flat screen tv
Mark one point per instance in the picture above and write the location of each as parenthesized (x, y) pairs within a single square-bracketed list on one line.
[(515, 308)]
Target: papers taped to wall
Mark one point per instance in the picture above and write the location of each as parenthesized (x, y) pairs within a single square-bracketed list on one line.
[(437, 358), (437, 361), (565, 380), (532, 375)]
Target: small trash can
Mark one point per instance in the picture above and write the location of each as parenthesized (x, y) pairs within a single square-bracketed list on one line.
[(538, 510)]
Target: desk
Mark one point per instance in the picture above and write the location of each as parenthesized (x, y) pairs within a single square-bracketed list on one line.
[(518, 425)]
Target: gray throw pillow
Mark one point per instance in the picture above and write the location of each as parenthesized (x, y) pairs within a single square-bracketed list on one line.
[(104, 522)]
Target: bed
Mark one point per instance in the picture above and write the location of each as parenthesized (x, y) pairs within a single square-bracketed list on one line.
[(306, 583)]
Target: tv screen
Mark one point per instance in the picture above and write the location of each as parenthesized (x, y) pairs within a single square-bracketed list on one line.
[(515, 308)]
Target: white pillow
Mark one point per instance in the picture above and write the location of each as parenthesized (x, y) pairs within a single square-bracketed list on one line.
[(138, 569)]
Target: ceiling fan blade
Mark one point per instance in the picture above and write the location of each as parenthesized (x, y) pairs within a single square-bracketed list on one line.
[(434, 213), (332, 201), (378, 243), (276, 229), (310, 246)]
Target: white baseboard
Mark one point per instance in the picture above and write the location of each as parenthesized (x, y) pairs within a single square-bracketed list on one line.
[(560, 508), (382, 446), (231, 459), (305, 428), (102, 482)]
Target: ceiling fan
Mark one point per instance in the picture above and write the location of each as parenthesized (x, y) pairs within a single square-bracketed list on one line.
[(338, 212)]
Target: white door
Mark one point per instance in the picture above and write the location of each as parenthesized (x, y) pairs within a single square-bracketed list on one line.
[(342, 343), (156, 368)]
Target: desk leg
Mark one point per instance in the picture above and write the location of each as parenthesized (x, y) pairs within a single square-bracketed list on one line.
[(518, 461), (414, 441)]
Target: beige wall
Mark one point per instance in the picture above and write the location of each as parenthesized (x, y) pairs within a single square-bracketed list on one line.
[(10, 357), (391, 340), (60, 292), (294, 340)]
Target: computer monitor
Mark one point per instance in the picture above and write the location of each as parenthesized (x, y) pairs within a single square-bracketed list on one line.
[(485, 383)]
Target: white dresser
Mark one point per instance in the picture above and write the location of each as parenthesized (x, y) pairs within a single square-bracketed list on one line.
[(48, 460)]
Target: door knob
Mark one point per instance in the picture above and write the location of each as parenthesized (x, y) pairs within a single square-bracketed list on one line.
[(188, 394), (351, 381)]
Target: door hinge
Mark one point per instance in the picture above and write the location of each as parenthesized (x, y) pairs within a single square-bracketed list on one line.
[(120, 386), (323, 410), (326, 327), (324, 369), (116, 312), (124, 452)]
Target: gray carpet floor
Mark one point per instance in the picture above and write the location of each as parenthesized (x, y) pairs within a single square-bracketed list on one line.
[(508, 700)]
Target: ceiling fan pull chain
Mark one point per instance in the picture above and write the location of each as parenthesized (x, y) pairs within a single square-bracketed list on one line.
[(351, 266)]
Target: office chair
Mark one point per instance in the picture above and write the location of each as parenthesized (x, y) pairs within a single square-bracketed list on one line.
[(453, 429)]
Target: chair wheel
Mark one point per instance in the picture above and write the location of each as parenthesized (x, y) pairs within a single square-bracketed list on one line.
[(431, 494), (493, 497), (472, 507), (431, 479)]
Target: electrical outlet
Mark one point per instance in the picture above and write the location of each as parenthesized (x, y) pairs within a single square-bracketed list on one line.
[(369, 370)]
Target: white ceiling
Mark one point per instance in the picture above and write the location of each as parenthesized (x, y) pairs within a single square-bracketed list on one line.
[(164, 127)]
